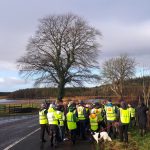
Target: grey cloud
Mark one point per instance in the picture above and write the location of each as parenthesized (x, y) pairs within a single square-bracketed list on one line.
[(125, 26), (132, 39)]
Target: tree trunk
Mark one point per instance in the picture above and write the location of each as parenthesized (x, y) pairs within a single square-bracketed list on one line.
[(61, 91)]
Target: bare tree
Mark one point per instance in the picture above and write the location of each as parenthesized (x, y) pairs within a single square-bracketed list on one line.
[(146, 90), (63, 51), (116, 70)]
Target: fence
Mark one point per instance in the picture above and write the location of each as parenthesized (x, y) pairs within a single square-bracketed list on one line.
[(2, 108), (22, 108)]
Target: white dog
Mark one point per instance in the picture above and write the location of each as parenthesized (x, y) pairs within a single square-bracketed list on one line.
[(101, 136)]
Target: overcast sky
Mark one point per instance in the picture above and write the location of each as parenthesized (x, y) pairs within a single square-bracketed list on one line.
[(124, 24)]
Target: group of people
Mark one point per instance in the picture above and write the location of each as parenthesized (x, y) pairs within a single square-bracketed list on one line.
[(77, 120)]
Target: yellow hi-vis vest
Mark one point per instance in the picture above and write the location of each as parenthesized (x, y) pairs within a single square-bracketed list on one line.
[(110, 113), (42, 117), (80, 113), (51, 109), (93, 123), (61, 118), (70, 121), (98, 112), (132, 111), (124, 115), (52, 118)]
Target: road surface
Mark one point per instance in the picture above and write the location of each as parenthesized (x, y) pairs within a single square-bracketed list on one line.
[(23, 134)]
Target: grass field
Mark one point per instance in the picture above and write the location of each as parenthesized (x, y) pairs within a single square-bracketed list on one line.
[(136, 142), (3, 97)]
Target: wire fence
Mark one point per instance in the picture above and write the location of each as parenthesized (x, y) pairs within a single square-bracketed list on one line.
[(18, 108)]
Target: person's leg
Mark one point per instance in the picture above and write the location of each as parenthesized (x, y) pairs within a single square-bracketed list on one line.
[(55, 135), (74, 136), (51, 137), (78, 128), (109, 128), (143, 129), (83, 129), (42, 133), (47, 129), (113, 131), (126, 133), (121, 133)]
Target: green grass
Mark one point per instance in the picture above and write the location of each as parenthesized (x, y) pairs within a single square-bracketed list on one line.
[(142, 142), (136, 142)]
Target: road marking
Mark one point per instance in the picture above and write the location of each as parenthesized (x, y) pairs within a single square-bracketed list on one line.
[(13, 144)]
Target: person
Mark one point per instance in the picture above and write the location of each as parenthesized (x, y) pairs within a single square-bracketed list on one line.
[(111, 112), (100, 113), (43, 122), (53, 125), (142, 111), (81, 112), (61, 118), (94, 121), (132, 112), (72, 123), (51, 108), (87, 121), (124, 119)]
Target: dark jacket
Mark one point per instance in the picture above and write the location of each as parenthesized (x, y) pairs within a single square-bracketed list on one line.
[(141, 113)]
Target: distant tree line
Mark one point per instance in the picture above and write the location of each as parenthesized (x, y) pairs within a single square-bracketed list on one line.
[(38, 93), (133, 90), (4, 93)]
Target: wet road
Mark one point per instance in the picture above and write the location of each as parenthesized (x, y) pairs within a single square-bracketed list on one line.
[(32, 143), (24, 134), (14, 128)]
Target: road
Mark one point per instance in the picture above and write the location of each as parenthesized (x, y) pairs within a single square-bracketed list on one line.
[(24, 134), (12, 129)]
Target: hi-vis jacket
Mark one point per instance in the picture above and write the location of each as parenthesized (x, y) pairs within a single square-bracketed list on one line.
[(42, 117), (52, 118), (124, 116), (71, 121), (110, 113), (81, 113), (98, 112), (61, 118), (132, 112), (93, 122)]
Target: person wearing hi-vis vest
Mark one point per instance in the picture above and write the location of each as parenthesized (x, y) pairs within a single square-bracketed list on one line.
[(53, 125), (111, 112), (72, 123), (100, 114), (94, 119), (43, 122), (81, 111), (124, 117), (132, 112), (61, 118)]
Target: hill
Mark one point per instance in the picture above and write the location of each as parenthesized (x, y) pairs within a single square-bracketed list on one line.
[(133, 89)]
